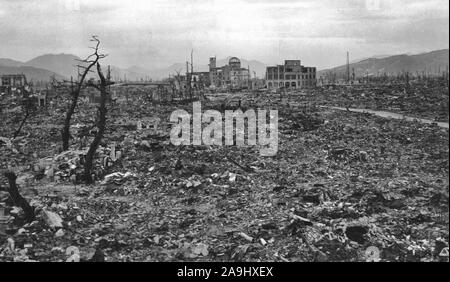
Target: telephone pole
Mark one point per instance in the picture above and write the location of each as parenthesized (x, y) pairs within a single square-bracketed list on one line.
[(348, 68), (192, 61)]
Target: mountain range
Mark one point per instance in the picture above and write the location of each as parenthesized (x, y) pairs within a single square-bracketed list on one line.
[(431, 62), (41, 68), (31, 73), (61, 66)]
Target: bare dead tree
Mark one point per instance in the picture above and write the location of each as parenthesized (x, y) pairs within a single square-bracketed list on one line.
[(103, 88), (84, 68)]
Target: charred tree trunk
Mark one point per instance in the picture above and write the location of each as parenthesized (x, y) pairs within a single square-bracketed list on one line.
[(101, 125), (17, 198), (27, 114), (65, 133), (28, 106), (75, 93)]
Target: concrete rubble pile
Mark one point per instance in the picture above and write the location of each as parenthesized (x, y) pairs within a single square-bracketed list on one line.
[(69, 165)]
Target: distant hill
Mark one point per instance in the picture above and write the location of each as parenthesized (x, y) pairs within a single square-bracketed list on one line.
[(42, 68), (10, 63), (429, 62), (32, 73), (63, 64), (371, 57)]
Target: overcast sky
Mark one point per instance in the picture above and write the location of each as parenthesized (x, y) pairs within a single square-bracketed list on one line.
[(156, 33)]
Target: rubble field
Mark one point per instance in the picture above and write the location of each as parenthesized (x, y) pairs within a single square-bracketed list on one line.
[(342, 185), (423, 99)]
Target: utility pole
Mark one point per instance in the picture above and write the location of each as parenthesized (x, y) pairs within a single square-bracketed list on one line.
[(348, 68), (108, 77), (249, 77), (187, 76), (192, 61)]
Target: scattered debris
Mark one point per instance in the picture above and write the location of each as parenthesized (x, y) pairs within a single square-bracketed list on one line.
[(340, 183), (53, 220)]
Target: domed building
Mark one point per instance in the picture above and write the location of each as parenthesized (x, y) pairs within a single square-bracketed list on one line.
[(234, 63), (231, 76)]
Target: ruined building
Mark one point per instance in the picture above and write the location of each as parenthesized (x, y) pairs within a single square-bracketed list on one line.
[(291, 75), (200, 80), (231, 76), (13, 83), (13, 80)]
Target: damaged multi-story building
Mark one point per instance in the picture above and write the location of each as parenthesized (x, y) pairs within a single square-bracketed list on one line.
[(12, 82), (231, 76), (200, 80), (291, 75)]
